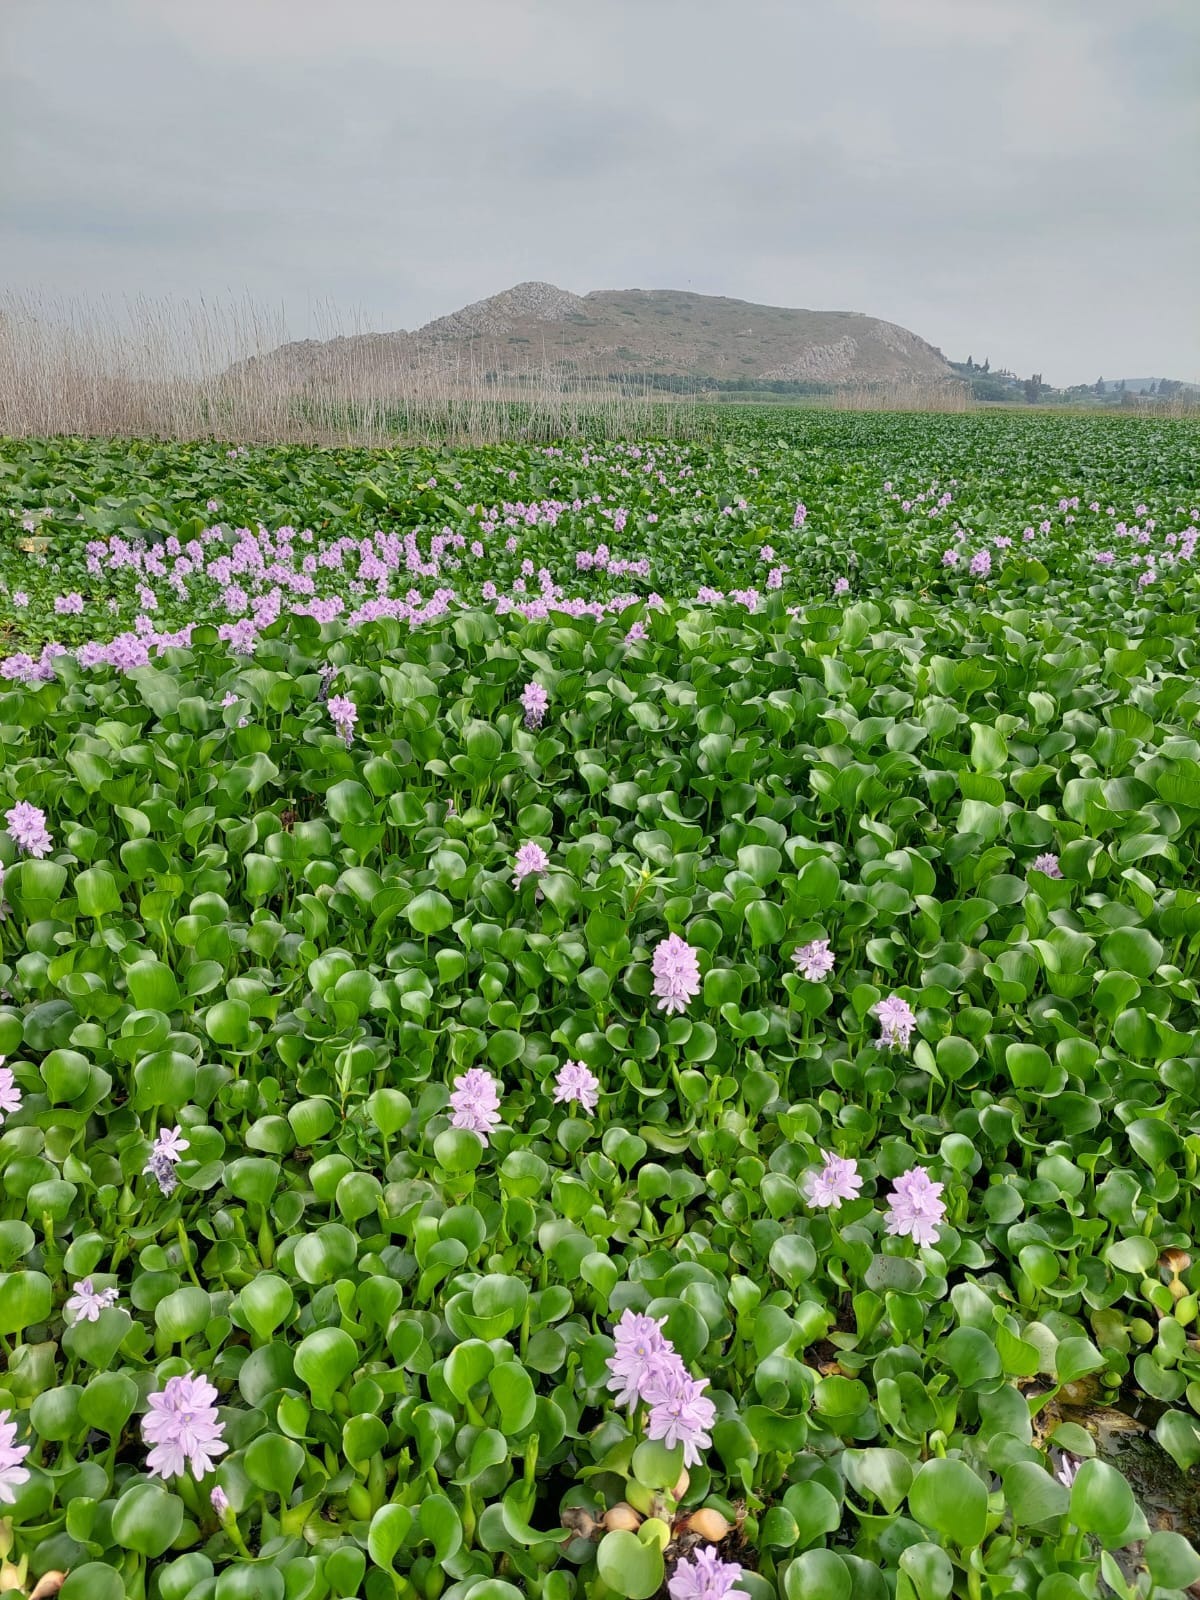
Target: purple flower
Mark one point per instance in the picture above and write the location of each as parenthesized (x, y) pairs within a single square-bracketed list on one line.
[(641, 1353), (1066, 1467), (212, 505), (220, 1500), (1047, 864), (837, 1180), (896, 1021), (10, 1092), (344, 714), (799, 514), (576, 1083), (981, 564), (914, 1207), (814, 961), (636, 633), (164, 1157), (475, 1102), (87, 1303), (704, 1576), (27, 825), (182, 1427), (949, 558), (534, 699), (842, 586), (676, 973), (531, 861), (679, 1411), (12, 1472)]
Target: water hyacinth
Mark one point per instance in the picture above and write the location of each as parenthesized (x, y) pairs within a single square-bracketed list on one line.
[(86, 1302), (343, 714), (13, 1472), (676, 973), (577, 1084), (641, 1352), (530, 862), (534, 702), (183, 1429), (704, 1576), (896, 1022), (915, 1208), (1066, 1467), (680, 1412), (165, 1157), (837, 1179), (297, 985), (1047, 864), (814, 960), (27, 828), (475, 1102), (10, 1091)]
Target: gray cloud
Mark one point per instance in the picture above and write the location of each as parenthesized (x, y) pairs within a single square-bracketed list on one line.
[(1005, 177)]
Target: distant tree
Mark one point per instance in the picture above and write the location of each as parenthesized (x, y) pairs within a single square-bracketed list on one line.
[(1121, 387), (1033, 388), (1098, 386), (1153, 389), (987, 361), (1168, 387), (970, 364)]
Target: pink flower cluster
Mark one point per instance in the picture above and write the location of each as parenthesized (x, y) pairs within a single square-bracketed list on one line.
[(27, 828), (475, 1103), (577, 1084), (676, 973), (183, 1429), (645, 1368)]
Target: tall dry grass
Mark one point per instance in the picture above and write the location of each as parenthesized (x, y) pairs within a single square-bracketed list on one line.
[(226, 370), (904, 394)]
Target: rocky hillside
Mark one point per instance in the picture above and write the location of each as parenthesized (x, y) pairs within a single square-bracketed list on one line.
[(656, 333)]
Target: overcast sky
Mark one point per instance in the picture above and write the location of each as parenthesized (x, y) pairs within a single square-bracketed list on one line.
[(1017, 179)]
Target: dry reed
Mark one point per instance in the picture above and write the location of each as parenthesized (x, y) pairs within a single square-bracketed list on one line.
[(904, 394), (195, 370)]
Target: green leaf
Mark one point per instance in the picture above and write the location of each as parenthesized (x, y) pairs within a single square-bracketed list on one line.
[(1102, 1503), (989, 749), (949, 1498), (1179, 1434), (817, 1575), (1170, 1560), (389, 1531), (147, 1519), (629, 1567), (429, 912), (1132, 950), (324, 1360), (349, 801), (25, 1299)]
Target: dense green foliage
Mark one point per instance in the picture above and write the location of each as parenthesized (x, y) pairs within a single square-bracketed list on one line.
[(289, 946)]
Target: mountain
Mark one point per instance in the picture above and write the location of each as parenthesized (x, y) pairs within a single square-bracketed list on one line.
[(652, 333)]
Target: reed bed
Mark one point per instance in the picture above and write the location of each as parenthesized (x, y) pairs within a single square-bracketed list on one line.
[(201, 369)]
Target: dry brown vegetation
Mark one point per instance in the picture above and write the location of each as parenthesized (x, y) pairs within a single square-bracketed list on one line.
[(201, 370), (904, 394)]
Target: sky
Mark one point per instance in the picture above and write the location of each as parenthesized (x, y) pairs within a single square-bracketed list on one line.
[(1011, 179)]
